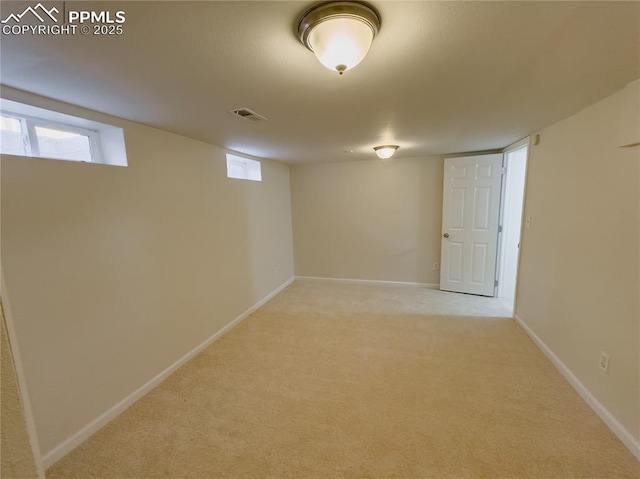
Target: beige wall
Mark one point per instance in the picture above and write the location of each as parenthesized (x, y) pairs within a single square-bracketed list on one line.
[(373, 220), (115, 273), (579, 276), (17, 457)]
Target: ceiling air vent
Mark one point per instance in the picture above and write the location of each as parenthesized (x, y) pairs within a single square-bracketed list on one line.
[(248, 114)]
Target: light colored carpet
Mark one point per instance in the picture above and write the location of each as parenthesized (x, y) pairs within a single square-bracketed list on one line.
[(334, 380)]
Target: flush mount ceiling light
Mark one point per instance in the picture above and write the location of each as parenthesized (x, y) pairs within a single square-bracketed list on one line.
[(339, 33), (385, 152)]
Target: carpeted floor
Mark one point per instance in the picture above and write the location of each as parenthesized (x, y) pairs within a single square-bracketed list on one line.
[(334, 380)]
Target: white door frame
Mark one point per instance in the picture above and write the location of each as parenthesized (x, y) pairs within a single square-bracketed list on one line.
[(527, 141)]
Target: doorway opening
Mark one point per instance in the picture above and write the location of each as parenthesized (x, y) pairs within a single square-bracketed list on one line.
[(512, 202)]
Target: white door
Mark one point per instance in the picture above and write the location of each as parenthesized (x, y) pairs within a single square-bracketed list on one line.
[(470, 212)]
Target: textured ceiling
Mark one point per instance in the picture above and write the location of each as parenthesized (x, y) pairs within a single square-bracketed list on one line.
[(441, 77)]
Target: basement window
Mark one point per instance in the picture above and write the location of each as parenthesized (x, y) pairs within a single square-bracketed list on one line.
[(243, 168), (26, 130)]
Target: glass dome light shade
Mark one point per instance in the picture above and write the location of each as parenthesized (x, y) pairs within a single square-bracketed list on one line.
[(339, 33), (341, 43), (385, 152)]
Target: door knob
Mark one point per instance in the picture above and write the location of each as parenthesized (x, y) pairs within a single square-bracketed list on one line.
[(446, 235)]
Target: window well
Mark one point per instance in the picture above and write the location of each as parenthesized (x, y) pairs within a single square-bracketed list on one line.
[(243, 168), (27, 130)]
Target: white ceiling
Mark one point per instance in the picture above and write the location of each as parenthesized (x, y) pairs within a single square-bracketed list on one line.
[(441, 77)]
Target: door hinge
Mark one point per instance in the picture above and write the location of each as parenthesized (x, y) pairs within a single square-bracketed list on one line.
[(504, 170), (499, 228), (495, 283)]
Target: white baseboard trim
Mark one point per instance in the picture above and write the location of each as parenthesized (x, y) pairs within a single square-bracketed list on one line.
[(371, 281), (618, 429), (58, 452)]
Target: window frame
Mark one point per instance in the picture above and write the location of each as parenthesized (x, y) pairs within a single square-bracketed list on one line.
[(26, 144), (106, 141), (30, 137), (252, 169)]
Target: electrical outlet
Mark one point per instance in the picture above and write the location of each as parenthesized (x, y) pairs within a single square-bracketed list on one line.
[(604, 361), (436, 266)]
